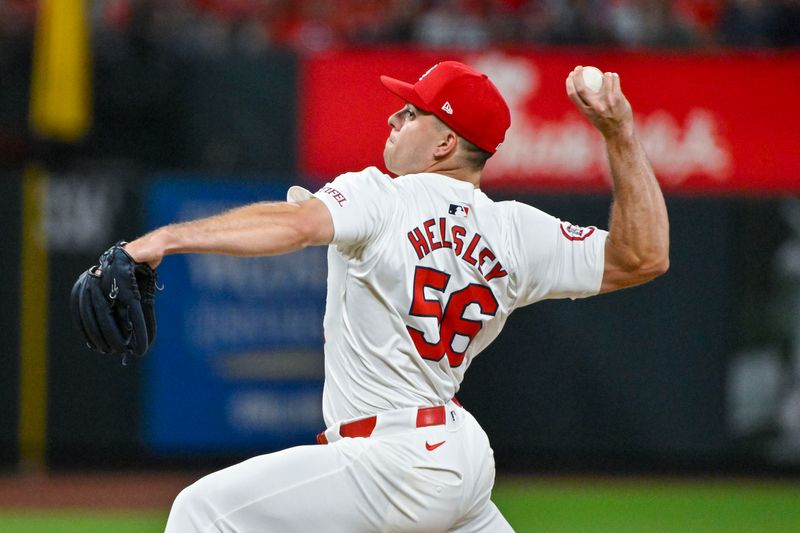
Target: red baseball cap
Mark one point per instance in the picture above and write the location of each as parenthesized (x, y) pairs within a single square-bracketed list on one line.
[(462, 98)]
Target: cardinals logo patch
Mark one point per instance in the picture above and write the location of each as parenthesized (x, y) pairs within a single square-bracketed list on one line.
[(576, 233)]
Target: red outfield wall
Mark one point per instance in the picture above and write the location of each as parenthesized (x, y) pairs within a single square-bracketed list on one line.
[(710, 123)]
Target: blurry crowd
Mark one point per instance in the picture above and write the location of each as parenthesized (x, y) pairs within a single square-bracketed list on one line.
[(312, 25)]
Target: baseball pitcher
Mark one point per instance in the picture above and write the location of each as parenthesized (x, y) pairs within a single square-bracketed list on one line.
[(423, 271)]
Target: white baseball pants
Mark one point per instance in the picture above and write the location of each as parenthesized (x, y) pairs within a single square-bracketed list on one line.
[(400, 479)]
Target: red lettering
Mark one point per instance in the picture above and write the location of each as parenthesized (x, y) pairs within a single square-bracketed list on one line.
[(454, 322), (458, 232), (483, 256), (443, 234), (339, 197), (427, 224), (496, 272), (450, 321), (419, 243), (471, 248), (424, 241), (421, 306)]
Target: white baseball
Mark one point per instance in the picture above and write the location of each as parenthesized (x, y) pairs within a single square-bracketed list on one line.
[(593, 78)]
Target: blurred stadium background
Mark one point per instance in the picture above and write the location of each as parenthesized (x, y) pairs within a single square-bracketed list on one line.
[(671, 407)]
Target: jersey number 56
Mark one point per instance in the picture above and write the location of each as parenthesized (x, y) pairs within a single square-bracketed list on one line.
[(450, 320)]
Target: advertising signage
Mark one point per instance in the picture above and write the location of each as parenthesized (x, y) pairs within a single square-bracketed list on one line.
[(238, 362), (710, 123)]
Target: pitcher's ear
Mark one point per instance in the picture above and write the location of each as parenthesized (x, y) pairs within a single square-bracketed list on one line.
[(447, 145)]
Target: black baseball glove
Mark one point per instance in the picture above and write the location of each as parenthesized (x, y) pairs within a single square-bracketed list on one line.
[(113, 304)]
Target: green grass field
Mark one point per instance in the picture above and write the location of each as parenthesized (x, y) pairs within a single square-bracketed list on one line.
[(650, 506), (550, 505)]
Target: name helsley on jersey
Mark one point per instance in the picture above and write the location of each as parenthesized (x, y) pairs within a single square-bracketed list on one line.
[(434, 234)]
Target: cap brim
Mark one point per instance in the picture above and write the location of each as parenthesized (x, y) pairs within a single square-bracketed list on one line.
[(403, 90)]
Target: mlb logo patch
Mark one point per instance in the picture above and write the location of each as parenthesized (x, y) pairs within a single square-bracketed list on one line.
[(459, 210)]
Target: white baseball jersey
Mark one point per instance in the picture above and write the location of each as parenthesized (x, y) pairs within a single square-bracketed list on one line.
[(423, 273), (424, 270)]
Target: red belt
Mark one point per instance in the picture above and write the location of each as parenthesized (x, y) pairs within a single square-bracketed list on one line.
[(426, 416)]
